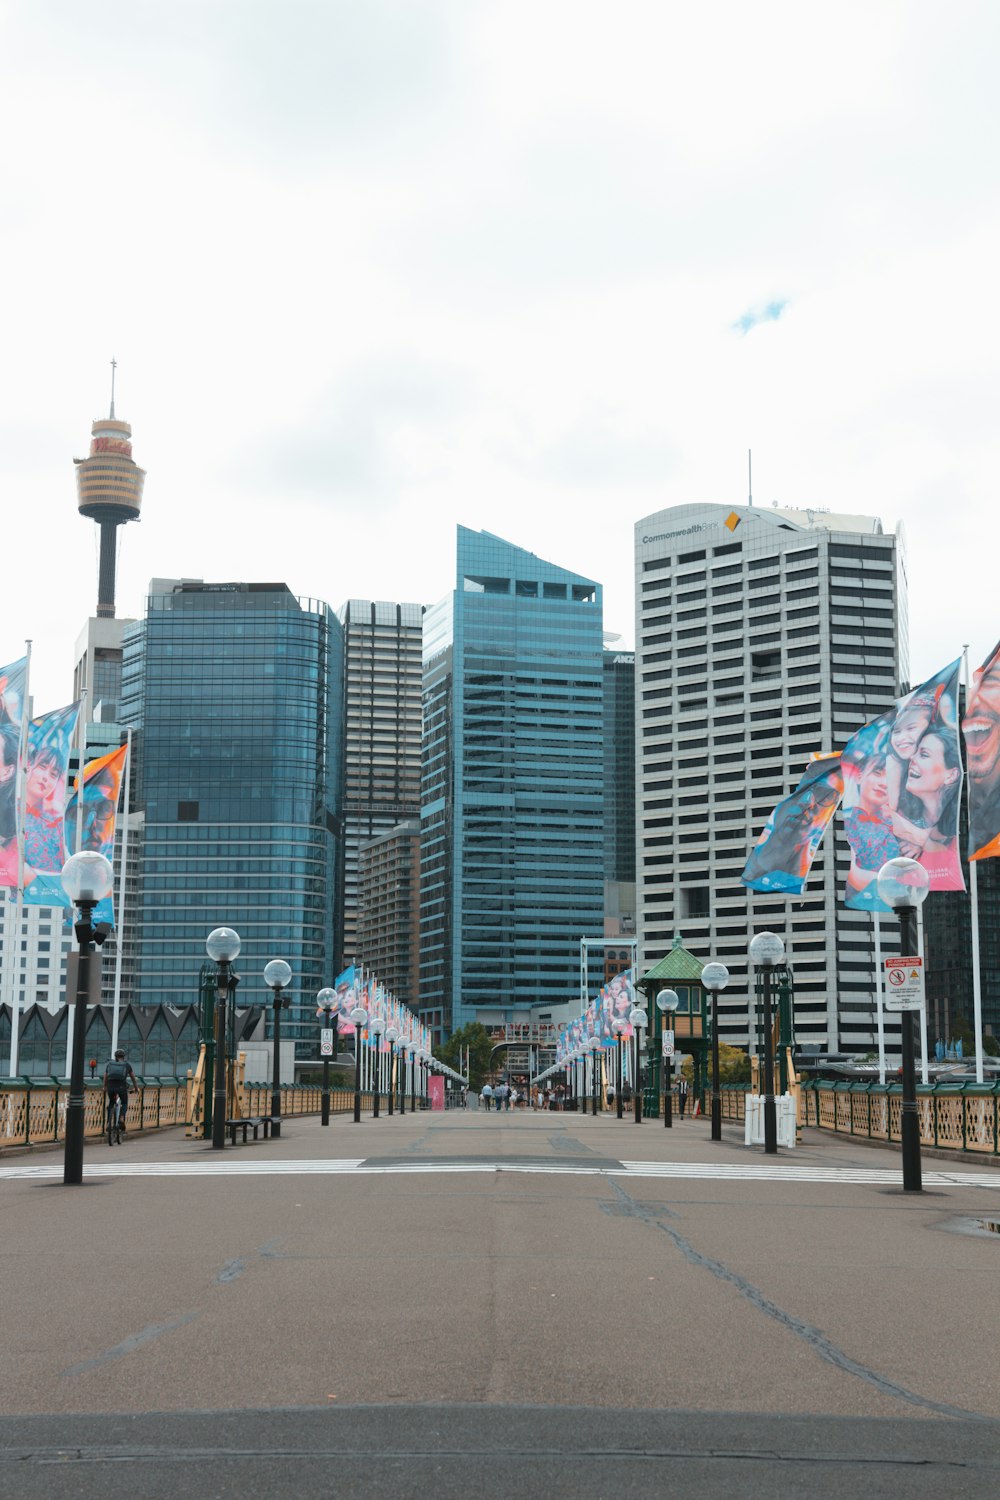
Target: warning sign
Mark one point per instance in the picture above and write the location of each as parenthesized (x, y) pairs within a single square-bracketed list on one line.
[(904, 984)]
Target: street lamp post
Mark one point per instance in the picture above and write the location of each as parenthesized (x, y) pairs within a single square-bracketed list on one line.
[(359, 1016), (222, 946), (87, 878), (376, 1028), (667, 1002), (391, 1034), (715, 977), (414, 1054), (639, 1020), (277, 975), (595, 1051), (618, 1027), (326, 999), (767, 950), (903, 885), (404, 1047)]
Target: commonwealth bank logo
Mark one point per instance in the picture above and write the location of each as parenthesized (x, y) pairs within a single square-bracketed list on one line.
[(732, 520)]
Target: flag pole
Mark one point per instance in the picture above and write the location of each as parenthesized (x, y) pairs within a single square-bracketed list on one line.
[(877, 920), (924, 1075), (21, 797), (81, 740), (977, 983), (120, 913)]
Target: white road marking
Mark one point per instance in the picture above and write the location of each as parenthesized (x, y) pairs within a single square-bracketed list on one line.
[(227, 1166)]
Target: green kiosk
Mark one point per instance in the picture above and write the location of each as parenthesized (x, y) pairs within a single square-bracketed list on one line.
[(679, 971)]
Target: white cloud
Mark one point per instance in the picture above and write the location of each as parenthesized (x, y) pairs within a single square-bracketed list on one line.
[(373, 270)]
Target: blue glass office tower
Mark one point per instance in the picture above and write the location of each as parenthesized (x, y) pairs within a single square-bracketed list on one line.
[(236, 691), (511, 859)]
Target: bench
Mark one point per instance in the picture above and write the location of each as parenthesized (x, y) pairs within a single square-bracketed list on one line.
[(252, 1122)]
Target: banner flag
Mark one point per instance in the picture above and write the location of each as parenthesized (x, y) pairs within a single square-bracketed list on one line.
[(903, 788), (46, 764), (981, 727), (12, 680), (784, 853), (102, 781)]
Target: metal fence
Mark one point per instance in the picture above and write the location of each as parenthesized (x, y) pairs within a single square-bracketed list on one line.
[(953, 1116), (33, 1112)]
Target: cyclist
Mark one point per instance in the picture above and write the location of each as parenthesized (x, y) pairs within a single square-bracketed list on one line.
[(116, 1077)]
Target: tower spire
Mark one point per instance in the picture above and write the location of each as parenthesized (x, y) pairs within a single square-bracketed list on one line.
[(114, 366)]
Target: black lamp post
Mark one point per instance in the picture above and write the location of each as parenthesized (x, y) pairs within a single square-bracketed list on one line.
[(87, 878), (618, 1028), (715, 977), (222, 946), (594, 1048), (414, 1054), (326, 999), (277, 975), (391, 1034), (667, 1002), (359, 1016), (638, 1020), (903, 885), (767, 950), (376, 1027), (404, 1047)]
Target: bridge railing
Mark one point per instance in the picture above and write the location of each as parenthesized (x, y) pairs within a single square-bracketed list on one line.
[(33, 1110), (953, 1116)]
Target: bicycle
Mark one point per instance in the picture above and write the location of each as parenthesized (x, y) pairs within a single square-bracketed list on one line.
[(115, 1121)]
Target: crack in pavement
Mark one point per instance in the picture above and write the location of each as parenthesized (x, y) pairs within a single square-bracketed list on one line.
[(135, 1341), (814, 1338), (235, 1268)]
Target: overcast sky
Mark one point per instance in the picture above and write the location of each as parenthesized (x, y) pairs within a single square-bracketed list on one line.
[(372, 268)]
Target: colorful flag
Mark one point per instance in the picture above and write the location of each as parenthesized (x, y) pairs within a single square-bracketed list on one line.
[(12, 679), (902, 790), (102, 781), (981, 727), (46, 765), (784, 853)]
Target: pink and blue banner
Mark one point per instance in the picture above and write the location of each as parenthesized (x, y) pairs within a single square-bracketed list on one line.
[(981, 728), (784, 853), (45, 770), (903, 789), (12, 684)]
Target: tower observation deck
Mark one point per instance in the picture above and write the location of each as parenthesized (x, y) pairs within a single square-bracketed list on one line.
[(109, 491)]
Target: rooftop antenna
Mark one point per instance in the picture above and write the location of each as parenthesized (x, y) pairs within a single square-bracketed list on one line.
[(114, 366), (749, 474)]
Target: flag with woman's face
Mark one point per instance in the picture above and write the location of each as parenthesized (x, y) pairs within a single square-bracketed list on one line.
[(902, 790), (12, 681), (784, 853), (981, 727), (46, 763)]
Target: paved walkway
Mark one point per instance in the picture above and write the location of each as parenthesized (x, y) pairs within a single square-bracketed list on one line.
[(544, 1303)]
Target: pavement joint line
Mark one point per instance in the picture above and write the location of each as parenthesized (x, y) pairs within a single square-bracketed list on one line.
[(360, 1166)]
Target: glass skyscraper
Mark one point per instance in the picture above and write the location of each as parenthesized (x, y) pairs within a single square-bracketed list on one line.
[(512, 836), (235, 690)]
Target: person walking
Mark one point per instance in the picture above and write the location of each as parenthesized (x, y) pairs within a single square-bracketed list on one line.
[(486, 1095), (682, 1096)]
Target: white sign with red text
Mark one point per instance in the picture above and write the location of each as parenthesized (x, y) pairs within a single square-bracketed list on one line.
[(904, 984)]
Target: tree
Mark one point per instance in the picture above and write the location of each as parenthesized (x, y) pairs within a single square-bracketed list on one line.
[(734, 1065), (477, 1039)]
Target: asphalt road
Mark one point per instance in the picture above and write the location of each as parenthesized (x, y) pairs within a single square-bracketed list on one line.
[(518, 1304)]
